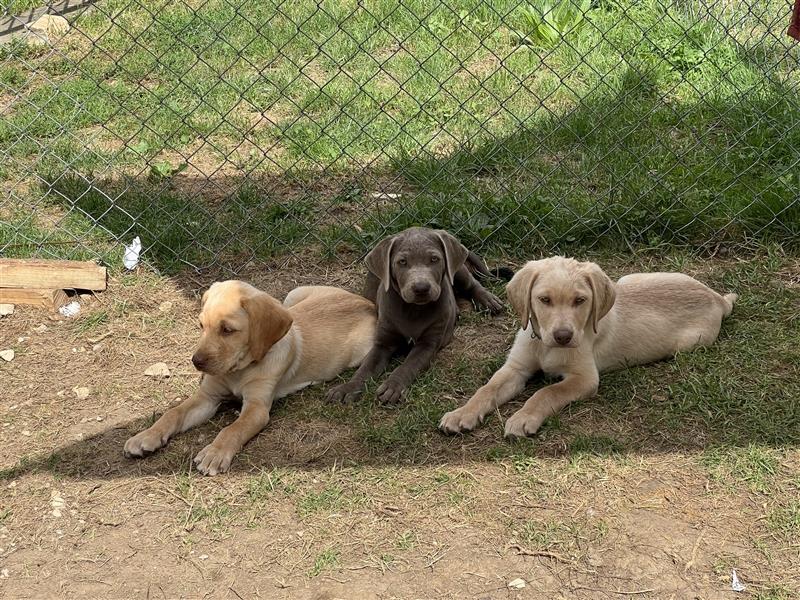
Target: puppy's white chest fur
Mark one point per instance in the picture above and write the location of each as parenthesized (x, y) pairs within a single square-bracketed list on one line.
[(554, 361)]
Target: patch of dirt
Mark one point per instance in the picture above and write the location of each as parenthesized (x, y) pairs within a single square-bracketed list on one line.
[(482, 67), (790, 274), (6, 102)]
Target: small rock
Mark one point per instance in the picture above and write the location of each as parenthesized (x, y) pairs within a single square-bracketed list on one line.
[(41, 328), (81, 393), (99, 418), (26, 433), (203, 556), (516, 584), (6, 309), (22, 340), (165, 306), (7, 355), (57, 503), (97, 347), (47, 29), (4, 573), (158, 370), (594, 559)]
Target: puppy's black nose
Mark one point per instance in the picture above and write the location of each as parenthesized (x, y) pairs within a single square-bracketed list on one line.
[(199, 362), (421, 287), (562, 336)]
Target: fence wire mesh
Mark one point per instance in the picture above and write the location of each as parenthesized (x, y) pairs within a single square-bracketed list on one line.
[(229, 132)]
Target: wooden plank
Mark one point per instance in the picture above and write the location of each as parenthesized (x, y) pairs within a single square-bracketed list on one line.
[(54, 299), (51, 274)]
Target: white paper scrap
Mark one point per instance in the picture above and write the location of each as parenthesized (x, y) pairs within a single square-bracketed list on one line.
[(131, 257)]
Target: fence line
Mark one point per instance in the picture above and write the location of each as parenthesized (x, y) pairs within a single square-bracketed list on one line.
[(229, 132)]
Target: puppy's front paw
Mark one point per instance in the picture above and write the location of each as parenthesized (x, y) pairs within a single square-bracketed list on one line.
[(486, 299), (346, 392), (144, 443), (459, 420), (523, 423), (389, 392), (213, 460)]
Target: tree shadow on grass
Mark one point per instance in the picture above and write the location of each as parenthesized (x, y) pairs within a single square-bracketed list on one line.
[(627, 168)]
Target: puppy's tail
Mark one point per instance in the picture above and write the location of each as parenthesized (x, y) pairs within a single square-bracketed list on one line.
[(478, 268), (729, 300)]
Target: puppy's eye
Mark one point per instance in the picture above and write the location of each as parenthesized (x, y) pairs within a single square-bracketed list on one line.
[(580, 300), (402, 262), (544, 299), (200, 324), (434, 259), (227, 330)]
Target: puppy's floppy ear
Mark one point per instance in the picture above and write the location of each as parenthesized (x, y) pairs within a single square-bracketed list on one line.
[(268, 322), (379, 261), (603, 292), (455, 254), (519, 289)]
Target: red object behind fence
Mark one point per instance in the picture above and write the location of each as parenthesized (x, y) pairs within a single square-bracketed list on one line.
[(794, 26)]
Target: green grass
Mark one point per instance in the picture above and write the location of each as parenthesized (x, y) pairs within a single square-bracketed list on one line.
[(785, 520), (753, 465), (646, 125), (555, 535), (91, 321), (326, 560), (15, 7), (267, 484), (773, 593), (336, 495)]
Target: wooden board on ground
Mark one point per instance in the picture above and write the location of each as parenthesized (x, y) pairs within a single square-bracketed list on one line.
[(51, 274), (47, 298)]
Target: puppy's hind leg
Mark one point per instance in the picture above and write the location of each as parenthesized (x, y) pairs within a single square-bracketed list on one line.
[(299, 294), (467, 286), (373, 364)]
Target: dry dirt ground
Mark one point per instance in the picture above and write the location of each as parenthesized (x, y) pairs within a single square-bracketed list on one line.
[(363, 501)]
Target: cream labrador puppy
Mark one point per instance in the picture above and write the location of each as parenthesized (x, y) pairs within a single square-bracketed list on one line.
[(255, 348), (577, 323)]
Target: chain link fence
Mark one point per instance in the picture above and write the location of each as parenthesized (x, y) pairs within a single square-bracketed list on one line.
[(226, 133)]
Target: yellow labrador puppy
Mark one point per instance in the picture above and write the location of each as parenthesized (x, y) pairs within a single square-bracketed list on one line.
[(258, 349), (577, 323)]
